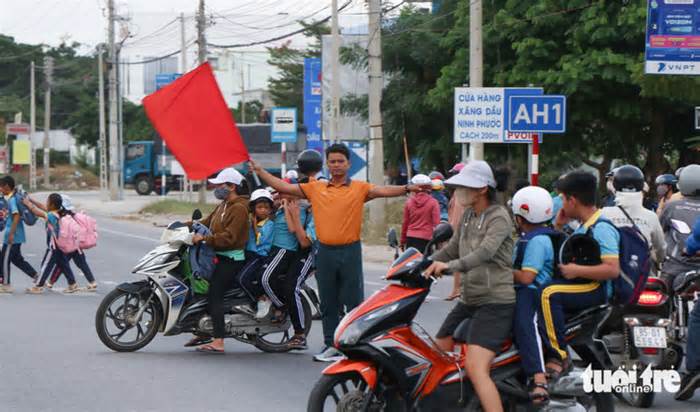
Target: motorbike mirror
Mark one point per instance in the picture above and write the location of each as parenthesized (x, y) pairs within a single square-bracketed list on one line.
[(680, 226), (197, 214), (442, 233), (392, 238)]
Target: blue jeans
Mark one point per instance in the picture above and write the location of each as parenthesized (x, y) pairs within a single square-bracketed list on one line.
[(692, 356)]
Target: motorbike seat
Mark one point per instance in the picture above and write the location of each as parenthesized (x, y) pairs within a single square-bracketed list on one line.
[(683, 282)]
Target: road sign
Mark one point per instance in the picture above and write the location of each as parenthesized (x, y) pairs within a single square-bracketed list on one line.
[(17, 128), (312, 102), (284, 124), (481, 114), (673, 37), (165, 79), (537, 114)]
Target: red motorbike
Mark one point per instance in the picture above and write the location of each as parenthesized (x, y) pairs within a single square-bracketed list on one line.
[(392, 364)]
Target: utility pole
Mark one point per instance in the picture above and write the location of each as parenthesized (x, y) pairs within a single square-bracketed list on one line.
[(183, 69), (113, 126), (242, 95), (476, 63), (202, 57), (376, 135), (335, 76), (32, 126), (103, 137), (48, 71)]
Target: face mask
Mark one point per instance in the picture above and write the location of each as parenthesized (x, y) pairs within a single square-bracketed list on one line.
[(661, 190), (222, 192), (465, 197)]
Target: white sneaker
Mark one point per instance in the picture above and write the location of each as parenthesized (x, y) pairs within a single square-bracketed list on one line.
[(328, 354), (264, 309)]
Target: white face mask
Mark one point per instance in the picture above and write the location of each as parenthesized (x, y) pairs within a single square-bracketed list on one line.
[(465, 197)]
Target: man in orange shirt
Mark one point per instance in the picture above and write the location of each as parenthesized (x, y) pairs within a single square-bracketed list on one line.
[(338, 207)]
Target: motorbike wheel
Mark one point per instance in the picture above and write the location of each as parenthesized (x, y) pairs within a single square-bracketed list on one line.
[(639, 400), (277, 342), (604, 402), (346, 392), (117, 331)]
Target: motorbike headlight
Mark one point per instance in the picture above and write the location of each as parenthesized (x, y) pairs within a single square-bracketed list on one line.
[(354, 331)]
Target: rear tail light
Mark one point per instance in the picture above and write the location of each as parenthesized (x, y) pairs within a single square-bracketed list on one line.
[(650, 351), (650, 298)]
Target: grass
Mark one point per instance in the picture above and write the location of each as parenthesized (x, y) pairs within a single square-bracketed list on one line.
[(176, 207)]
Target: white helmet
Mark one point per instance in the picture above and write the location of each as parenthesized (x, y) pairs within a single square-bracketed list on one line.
[(261, 194), (421, 180), (533, 204)]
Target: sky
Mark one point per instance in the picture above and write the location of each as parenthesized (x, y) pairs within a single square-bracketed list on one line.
[(149, 27)]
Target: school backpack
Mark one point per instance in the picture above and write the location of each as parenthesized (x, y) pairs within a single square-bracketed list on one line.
[(555, 236), (3, 207), (87, 237), (68, 234), (635, 262), (26, 215)]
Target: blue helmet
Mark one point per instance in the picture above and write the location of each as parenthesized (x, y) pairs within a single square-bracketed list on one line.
[(667, 179)]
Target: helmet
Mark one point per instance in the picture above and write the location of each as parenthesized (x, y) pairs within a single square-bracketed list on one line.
[(628, 178), (260, 195), (533, 204), (581, 249), (310, 162), (689, 180), (667, 179), (678, 172), (436, 175), (437, 184), (420, 180)]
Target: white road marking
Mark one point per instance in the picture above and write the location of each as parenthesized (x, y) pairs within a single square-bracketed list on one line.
[(118, 233)]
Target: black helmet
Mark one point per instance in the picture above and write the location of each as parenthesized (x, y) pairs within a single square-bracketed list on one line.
[(310, 162), (628, 178), (580, 249), (667, 179)]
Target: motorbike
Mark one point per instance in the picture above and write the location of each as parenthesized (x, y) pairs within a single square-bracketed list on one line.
[(392, 364), (654, 329), (131, 315)]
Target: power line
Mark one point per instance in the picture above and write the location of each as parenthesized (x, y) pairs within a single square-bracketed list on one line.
[(281, 37), (296, 21)]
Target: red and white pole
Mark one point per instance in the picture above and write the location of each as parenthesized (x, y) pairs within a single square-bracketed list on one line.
[(535, 159)]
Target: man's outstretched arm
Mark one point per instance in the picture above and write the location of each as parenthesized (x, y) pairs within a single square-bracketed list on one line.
[(275, 182), (394, 191)]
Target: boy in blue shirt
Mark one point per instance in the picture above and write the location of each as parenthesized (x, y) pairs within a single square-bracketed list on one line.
[(14, 238), (533, 264), (582, 286)]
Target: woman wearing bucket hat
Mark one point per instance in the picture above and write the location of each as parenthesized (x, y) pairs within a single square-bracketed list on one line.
[(481, 249)]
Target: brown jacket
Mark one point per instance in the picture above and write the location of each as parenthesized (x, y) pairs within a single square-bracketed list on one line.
[(229, 225)]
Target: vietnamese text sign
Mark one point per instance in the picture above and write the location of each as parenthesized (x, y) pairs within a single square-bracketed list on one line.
[(312, 102), (284, 124), (21, 152), (17, 128), (673, 37), (481, 113), (537, 114)]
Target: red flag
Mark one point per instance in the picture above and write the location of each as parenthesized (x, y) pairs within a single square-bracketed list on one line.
[(190, 114)]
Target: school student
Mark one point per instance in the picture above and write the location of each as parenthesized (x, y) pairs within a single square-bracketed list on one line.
[(14, 238), (54, 257)]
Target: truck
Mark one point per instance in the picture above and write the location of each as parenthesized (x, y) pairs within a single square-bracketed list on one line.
[(146, 161)]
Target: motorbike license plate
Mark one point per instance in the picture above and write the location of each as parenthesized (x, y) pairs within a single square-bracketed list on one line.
[(649, 337)]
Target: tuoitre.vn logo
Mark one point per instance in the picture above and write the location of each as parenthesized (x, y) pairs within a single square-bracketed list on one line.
[(630, 380)]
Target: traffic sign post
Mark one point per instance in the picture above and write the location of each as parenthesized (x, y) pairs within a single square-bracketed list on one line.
[(284, 130), (537, 114)]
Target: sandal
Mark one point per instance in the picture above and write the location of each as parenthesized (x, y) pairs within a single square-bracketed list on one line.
[(71, 288), (552, 374), (298, 342), (209, 349), (91, 287), (538, 398), (198, 340), (35, 290)]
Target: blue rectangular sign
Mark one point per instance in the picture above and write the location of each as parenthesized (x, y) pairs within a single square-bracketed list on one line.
[(284, 124), (312, 102), (673, 37), (165, 79), (537, 114)]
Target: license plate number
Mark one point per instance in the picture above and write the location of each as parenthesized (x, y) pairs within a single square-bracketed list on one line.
[(649, 337)]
